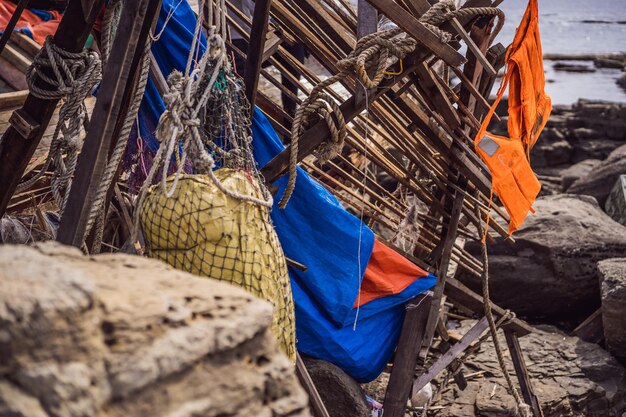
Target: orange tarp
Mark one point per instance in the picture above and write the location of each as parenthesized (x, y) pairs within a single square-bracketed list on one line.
[(387, 273), (30, 22)]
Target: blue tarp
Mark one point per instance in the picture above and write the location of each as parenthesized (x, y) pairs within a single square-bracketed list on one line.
[(315, 230)]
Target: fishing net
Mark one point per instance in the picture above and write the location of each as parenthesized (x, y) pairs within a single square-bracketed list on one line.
[(208, 233), (215, 222)]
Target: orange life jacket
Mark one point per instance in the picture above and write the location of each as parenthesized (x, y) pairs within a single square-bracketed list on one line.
[(508, 159)]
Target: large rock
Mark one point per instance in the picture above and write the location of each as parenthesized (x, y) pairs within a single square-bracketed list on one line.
[(600, 180), (570, 377), (612, 274), (117, 335), (550, 272), (576, 171)]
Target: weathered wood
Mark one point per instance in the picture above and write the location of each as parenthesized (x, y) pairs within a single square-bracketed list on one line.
[(15, 151), (592, 329), (271, 46), (438, 96), (417, 30), (12, 76), (521, 371), (455, 351), (27, 44), (8, 30), (258, 33), (444, 263), (411, 336), (12, 99), (132, 33), (367, 23), (14, 56), (319, 409), (459, 293), (471, 45)]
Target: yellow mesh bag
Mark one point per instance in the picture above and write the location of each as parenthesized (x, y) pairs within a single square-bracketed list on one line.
[(203, 231)]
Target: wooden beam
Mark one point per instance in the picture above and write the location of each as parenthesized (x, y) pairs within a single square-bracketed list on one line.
[(8, 30), (461, 294), (417, 30), (12, 99), (258, 33), (127, 51), (271, 46), (319, 409), (517, 357), (411, 336), (15, 150), (454, 352), (367, 23), (15, 57)]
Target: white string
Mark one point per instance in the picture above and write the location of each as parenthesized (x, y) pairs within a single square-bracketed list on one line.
[(167, 20), (358, 255)]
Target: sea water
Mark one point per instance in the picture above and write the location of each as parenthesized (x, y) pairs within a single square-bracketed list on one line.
[(576, 27)]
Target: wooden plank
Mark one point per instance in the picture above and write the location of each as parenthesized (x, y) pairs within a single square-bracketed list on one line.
[(517, 356), (14, 56), (258, 33), (319, 409), (455, 351), (411, 336), (15, 17), (12, 76), (438, 96), (12, 99), (27, 44), (271, 46), (592, 329), (367, 23), (15, 152), (442, 271), (127, 50), (459, 293), (417, 30), (471, 45)]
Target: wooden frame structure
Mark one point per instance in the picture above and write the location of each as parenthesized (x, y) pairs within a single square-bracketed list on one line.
[(415, 110)]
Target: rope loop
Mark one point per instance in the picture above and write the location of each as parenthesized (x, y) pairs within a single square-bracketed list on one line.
[(369, 63)]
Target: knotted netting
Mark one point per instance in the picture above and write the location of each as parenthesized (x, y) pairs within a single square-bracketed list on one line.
[(214, 222)]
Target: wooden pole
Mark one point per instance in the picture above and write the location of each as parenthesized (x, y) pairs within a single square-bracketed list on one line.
[(132, 33), (29, 123), (521, 371), (411, 336), (254, 55)]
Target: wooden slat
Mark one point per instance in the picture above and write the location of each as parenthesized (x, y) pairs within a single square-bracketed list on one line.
[(12, 99), (455, 351), (319, 409), (521, 371), (258, 33), (417, 30)]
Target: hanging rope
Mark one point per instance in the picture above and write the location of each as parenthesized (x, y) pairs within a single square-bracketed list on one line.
[(523, 409), (69, 76), (213, 90), (373, 53)]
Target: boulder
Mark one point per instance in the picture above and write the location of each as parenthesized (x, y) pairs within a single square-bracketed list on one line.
[(570, 377), (119, 335), (621, 81), (612, 274), (576, 171), (616, 201), (549, 273), (599, 182), (608, 63)]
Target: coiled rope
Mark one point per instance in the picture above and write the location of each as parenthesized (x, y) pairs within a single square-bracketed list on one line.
[(72, 76), (373, 53)]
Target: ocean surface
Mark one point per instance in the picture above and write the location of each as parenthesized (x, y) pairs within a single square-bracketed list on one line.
[(576, 27)]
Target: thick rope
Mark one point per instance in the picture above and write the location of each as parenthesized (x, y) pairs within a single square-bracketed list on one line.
[(180, 125), (522, 409), (73, 75), (373, 53)]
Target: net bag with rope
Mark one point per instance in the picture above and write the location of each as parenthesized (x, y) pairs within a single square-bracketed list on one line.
[(214, 223)]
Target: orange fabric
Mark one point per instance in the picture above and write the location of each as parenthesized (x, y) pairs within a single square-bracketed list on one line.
[(513, 179), (38, 27), (387, 273)]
